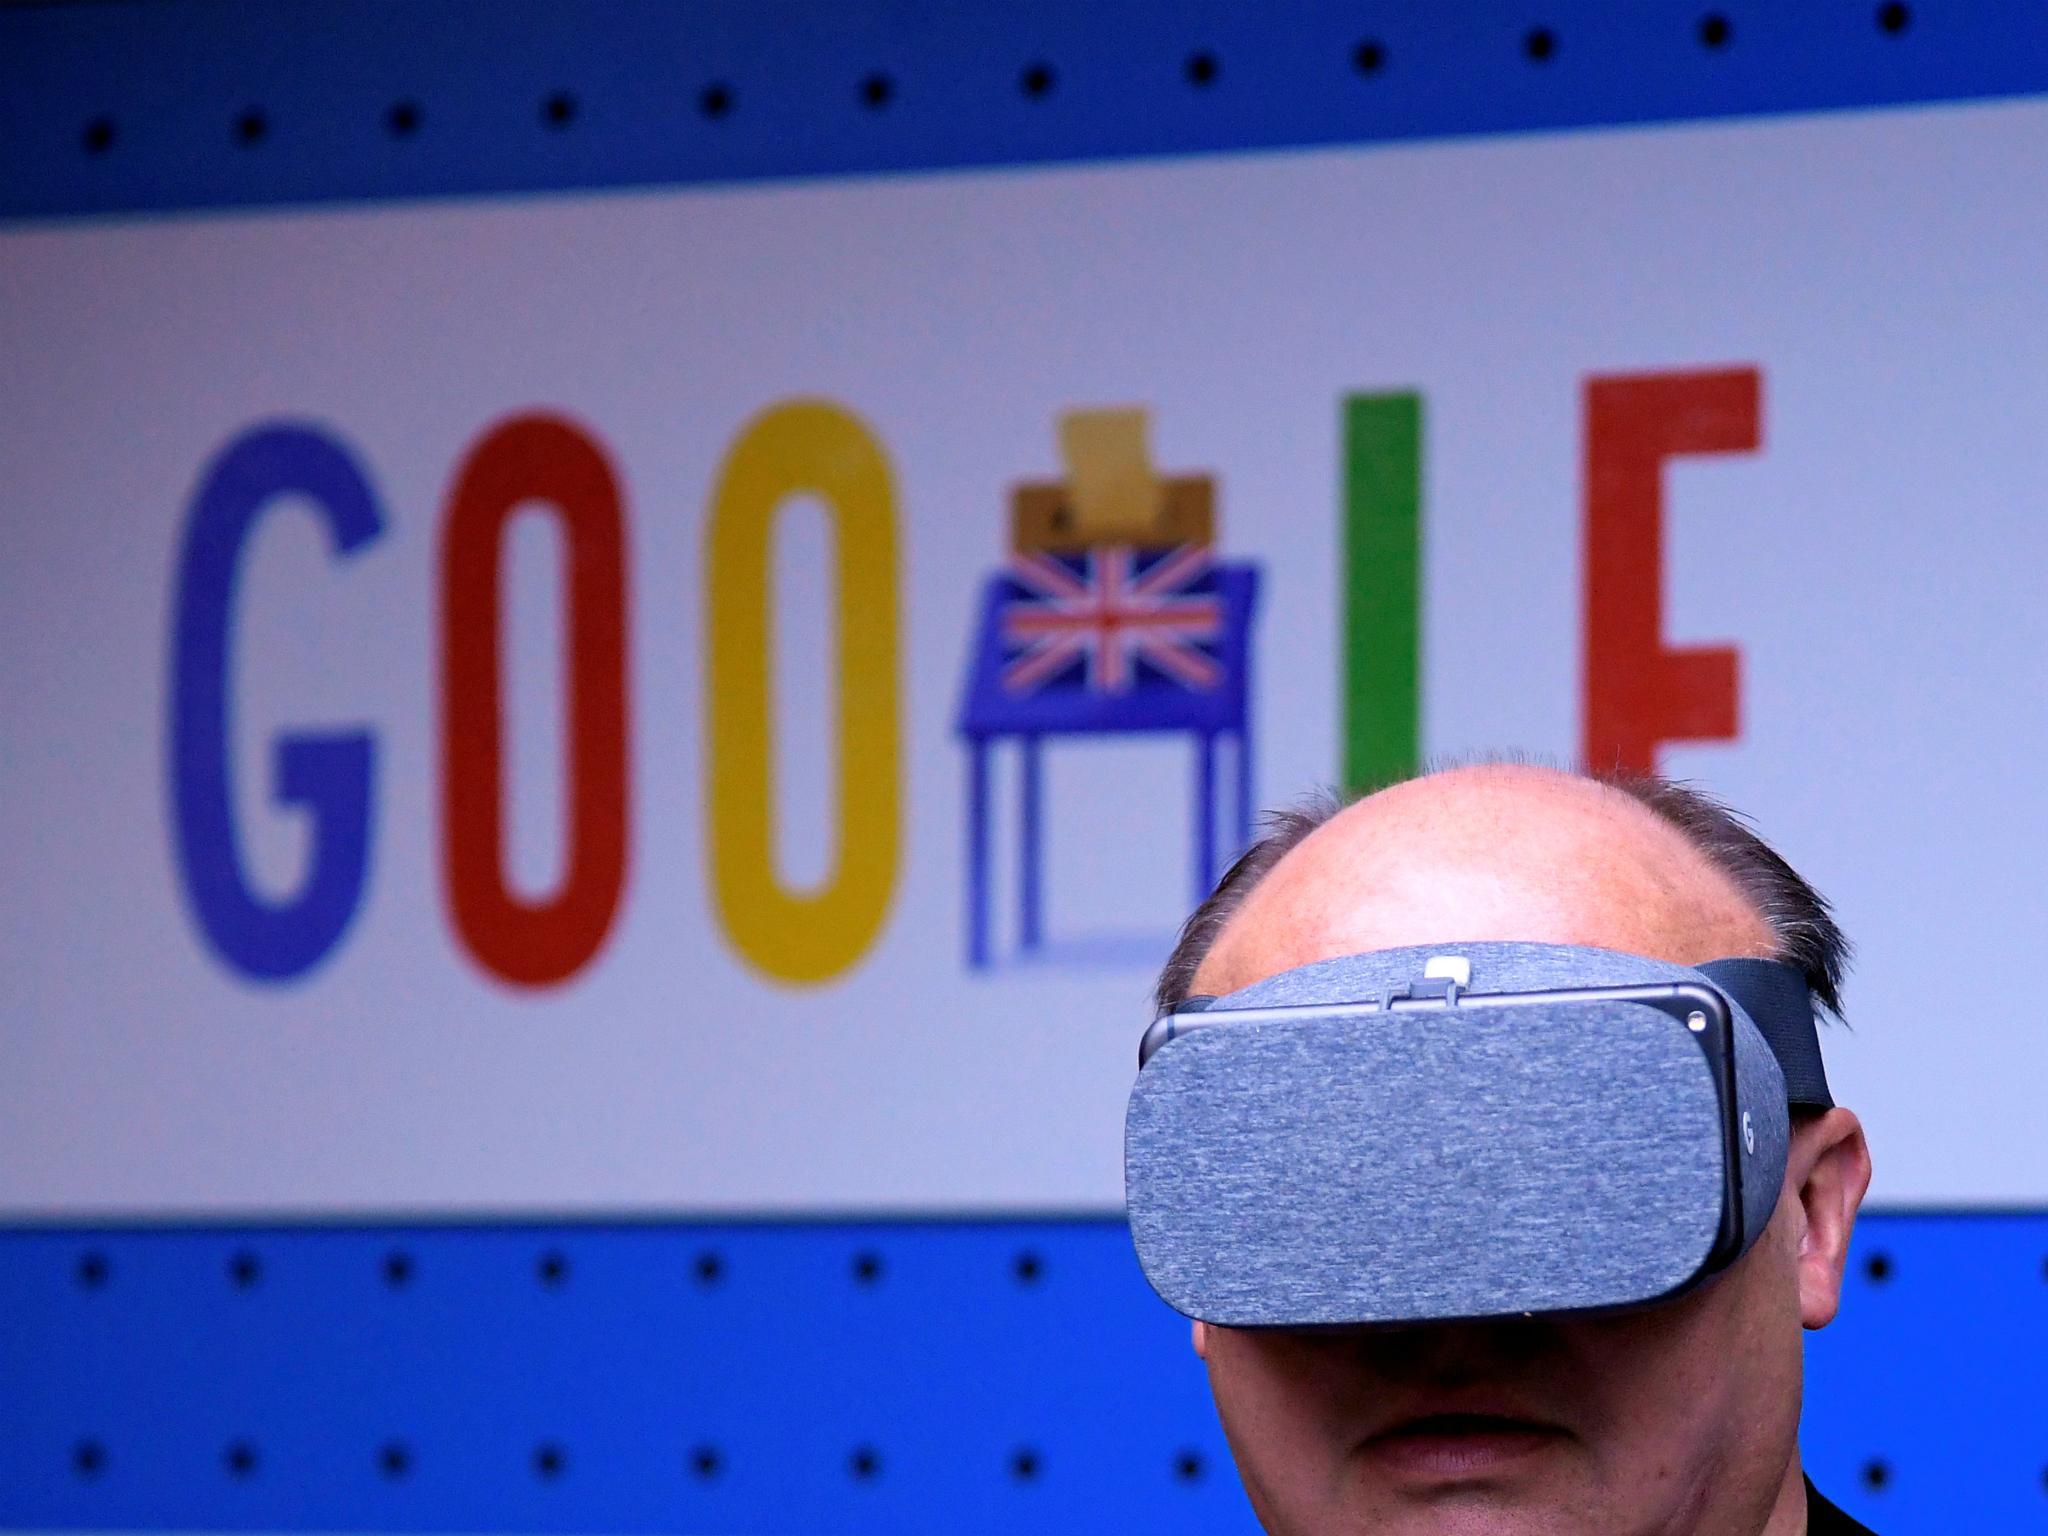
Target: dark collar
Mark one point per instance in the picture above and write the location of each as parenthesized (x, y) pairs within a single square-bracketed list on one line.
[(1823, 1519)]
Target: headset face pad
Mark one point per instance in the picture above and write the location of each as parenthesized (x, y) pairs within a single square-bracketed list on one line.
[(1367, 1140)]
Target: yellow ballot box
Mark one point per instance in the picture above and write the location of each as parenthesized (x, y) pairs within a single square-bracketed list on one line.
[(1111, 493)]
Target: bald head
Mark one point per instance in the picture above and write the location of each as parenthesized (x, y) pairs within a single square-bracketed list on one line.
[(1502, 852), (1681, 1416)]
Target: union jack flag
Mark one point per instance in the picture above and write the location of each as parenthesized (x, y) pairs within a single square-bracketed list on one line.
[(1111, 619)]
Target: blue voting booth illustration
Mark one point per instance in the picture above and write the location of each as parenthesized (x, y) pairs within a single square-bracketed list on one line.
[(1112, 616)]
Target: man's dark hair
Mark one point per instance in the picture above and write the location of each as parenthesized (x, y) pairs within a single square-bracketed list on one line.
[(1808, 936)]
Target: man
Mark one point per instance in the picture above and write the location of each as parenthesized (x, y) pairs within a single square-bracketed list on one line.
[(1677, 1419)]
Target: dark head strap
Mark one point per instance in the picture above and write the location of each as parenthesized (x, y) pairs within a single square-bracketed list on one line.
[(1775, 997)]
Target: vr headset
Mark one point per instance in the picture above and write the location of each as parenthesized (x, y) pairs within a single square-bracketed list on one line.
[(1464, 1131)]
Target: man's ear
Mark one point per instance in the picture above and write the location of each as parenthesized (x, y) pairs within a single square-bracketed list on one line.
[(1827, 1173), (1201, 1333)]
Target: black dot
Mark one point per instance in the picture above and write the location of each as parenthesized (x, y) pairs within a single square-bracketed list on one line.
[(93, 1269), (867, 1268), (876, 90), (394, 1459), (1369, 57), (552, 1267), (1715, 31), (1894, 16), (403, 119), (865, 1463), (245, 1269), (1024, 1464), (715, 100), (1027, 1267), (1037, 79), (98, 136), (88, 1458), (1202, 67), (1876, 1472), (1187, 1466), (1879, 1267), (549, 1459), (240, 1458), (559, 110), (706, 1462), (1538, 44), (397, 1268), (251, 126), (710, 1268)]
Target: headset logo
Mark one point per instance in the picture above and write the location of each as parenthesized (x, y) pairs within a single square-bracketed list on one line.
[(1748, 1134)]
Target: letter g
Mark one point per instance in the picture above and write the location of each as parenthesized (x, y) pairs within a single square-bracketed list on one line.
[(328, 773)]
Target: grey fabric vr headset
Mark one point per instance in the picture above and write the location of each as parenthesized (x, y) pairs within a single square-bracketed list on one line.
[(1464, 1131)]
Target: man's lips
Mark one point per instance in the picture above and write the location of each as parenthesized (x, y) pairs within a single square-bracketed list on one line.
[(1439, 1446)]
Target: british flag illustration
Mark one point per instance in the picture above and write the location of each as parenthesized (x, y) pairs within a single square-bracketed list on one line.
[(1111, 618)]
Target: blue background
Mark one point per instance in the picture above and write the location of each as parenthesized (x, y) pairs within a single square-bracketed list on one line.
[(137, 1361), (904, 1376)]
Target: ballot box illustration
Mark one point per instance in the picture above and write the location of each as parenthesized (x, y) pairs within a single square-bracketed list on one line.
[(1112, 616)]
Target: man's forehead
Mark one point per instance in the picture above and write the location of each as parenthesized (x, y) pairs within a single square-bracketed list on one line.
[(1511, 853)]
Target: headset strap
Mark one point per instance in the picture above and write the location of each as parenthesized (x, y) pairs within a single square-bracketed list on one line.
[(1775, 997)]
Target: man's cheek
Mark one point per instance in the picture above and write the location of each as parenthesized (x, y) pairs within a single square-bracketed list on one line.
[(1633, 1373), (1305, 1393)]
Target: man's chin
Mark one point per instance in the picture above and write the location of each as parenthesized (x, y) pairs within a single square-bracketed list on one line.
[(1507, 1480)]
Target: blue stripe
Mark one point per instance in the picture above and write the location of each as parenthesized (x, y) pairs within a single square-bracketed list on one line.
[(109, 108), (134, 1364)]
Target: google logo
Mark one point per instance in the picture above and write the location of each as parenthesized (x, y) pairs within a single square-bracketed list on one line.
[(1637, 691)]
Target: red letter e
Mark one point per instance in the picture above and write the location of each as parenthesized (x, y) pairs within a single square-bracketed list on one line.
[(1640, 692)]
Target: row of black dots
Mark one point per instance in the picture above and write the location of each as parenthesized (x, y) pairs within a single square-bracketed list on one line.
[(395, 1460), (1879, 1267), (706, 1462), (1877, 1475), (244, 1268), (1037, 80)]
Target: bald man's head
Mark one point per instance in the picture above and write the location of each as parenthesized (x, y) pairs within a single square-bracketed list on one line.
[(1677, 1417), (1507, 851)]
